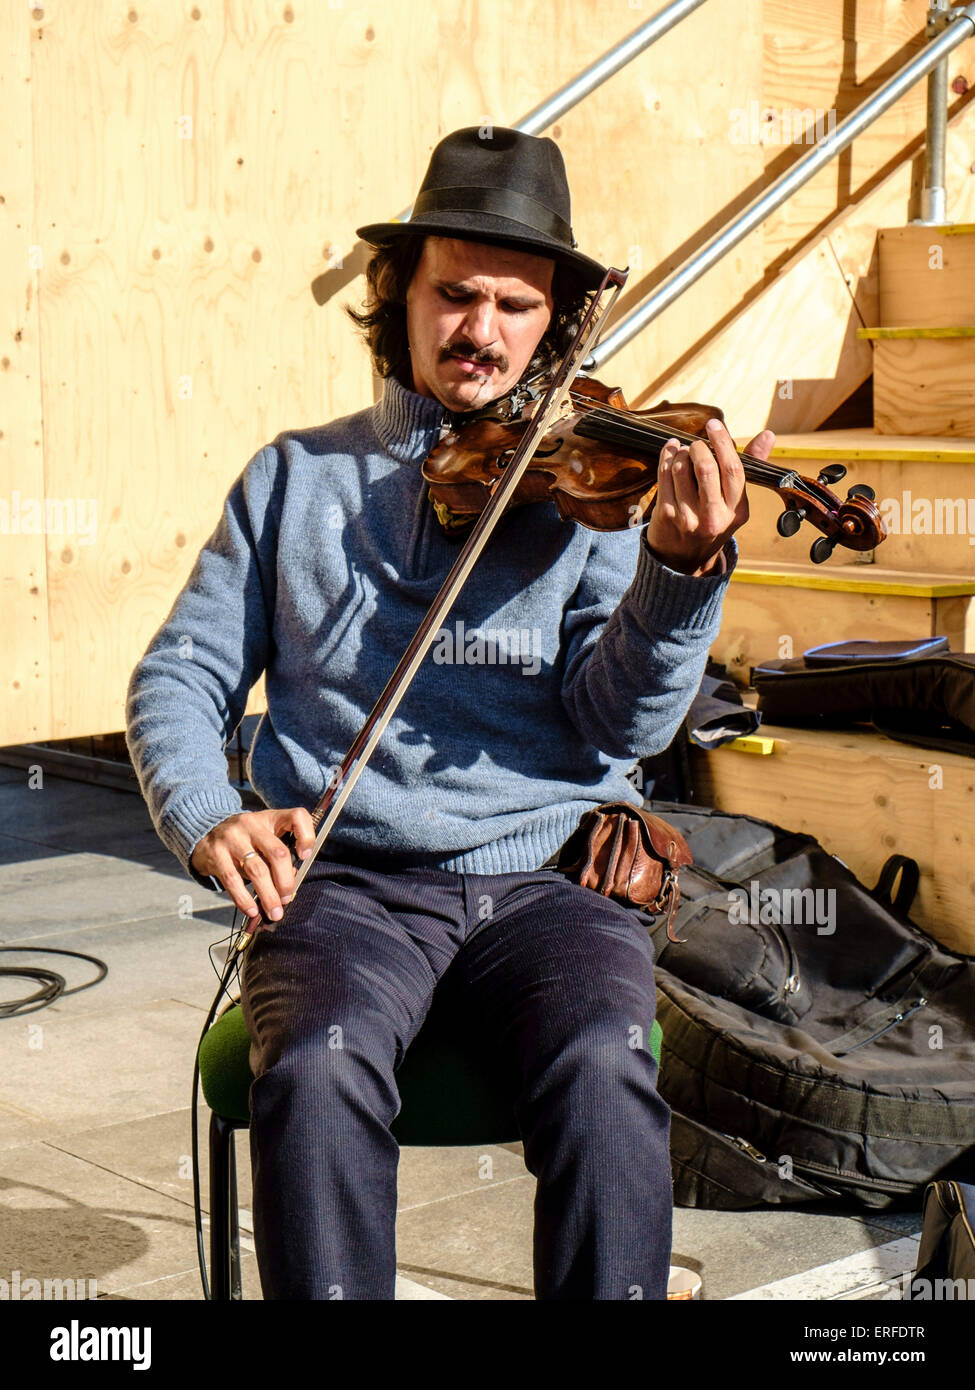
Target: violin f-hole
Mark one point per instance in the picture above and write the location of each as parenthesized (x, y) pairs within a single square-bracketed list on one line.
[(504, 459)]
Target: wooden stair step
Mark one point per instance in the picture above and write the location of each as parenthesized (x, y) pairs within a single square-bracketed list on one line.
[(864, 797), (867, 445), (924, 344), (923, 384), (955, 330), (781, 611), (926, 274), (858, 579)]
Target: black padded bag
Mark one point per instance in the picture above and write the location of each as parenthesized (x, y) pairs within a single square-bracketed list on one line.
[(801, 1062), (926, 700), (947, 1248)]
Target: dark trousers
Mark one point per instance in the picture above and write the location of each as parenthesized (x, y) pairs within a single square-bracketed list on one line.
[(557, 977)]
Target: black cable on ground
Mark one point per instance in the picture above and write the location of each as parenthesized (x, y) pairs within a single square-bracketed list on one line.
[(52, 985)]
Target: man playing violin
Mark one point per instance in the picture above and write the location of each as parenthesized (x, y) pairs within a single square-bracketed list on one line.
[(326, 557)]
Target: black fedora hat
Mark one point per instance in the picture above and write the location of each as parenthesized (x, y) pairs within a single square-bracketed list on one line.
[(488, 183)]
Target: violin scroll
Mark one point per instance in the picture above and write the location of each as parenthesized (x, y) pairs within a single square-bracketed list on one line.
[(855, 523)]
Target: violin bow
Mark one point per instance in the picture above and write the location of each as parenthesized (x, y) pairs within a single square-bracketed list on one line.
[(329, 807)]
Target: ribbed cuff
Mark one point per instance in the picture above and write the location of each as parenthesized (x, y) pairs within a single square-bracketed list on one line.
[(186, 822), (679, 600)]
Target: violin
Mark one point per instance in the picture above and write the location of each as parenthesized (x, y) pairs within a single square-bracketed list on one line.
[(598, 464)]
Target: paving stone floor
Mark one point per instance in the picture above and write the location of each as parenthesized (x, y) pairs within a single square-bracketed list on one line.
[(95, 1096)]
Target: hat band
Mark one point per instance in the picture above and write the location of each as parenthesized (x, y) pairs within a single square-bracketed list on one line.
[(518, 207)]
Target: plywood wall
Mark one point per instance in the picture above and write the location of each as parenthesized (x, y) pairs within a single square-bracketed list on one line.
[(26, 709), (180, 187)]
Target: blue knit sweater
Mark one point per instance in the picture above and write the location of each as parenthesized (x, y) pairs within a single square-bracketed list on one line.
[(569, 655)]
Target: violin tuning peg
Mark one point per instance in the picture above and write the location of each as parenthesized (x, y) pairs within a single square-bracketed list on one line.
[(789, 522), (861, 490), (821, 550), (832, 473)]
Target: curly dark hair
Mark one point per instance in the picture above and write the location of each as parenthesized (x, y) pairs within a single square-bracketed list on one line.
[(383, 319)]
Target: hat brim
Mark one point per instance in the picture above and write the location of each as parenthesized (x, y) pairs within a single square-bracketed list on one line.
[(491, 228)]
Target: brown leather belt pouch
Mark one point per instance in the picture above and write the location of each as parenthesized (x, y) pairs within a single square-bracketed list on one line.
[(627, 854)]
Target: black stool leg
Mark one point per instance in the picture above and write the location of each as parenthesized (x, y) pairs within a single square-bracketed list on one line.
[(224, 1235), (236, 1290)]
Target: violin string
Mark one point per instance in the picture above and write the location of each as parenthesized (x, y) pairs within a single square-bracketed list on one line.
[(615, 425), (640, 429)]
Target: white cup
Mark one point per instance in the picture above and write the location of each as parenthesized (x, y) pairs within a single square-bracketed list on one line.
[(683, 1283)]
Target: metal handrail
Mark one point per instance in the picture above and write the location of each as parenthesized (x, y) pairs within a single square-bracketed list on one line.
[(624, 52), (776, 194), (592, 77)]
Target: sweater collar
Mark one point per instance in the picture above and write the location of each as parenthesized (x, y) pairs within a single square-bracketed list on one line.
[(406, 423)]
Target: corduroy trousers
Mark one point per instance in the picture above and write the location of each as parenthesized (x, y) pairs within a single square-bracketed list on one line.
[(555, 977)]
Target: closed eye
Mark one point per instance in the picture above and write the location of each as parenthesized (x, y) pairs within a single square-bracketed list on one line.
[(510, 306)]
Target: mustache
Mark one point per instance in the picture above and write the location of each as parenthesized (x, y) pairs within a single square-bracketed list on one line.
[(462, 347)]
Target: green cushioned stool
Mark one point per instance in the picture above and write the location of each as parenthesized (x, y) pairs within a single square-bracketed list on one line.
[(451, 1093)]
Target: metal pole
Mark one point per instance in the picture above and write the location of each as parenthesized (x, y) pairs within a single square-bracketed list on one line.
[(627, 49), (596, 74), (934, 207), (961, 26)]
